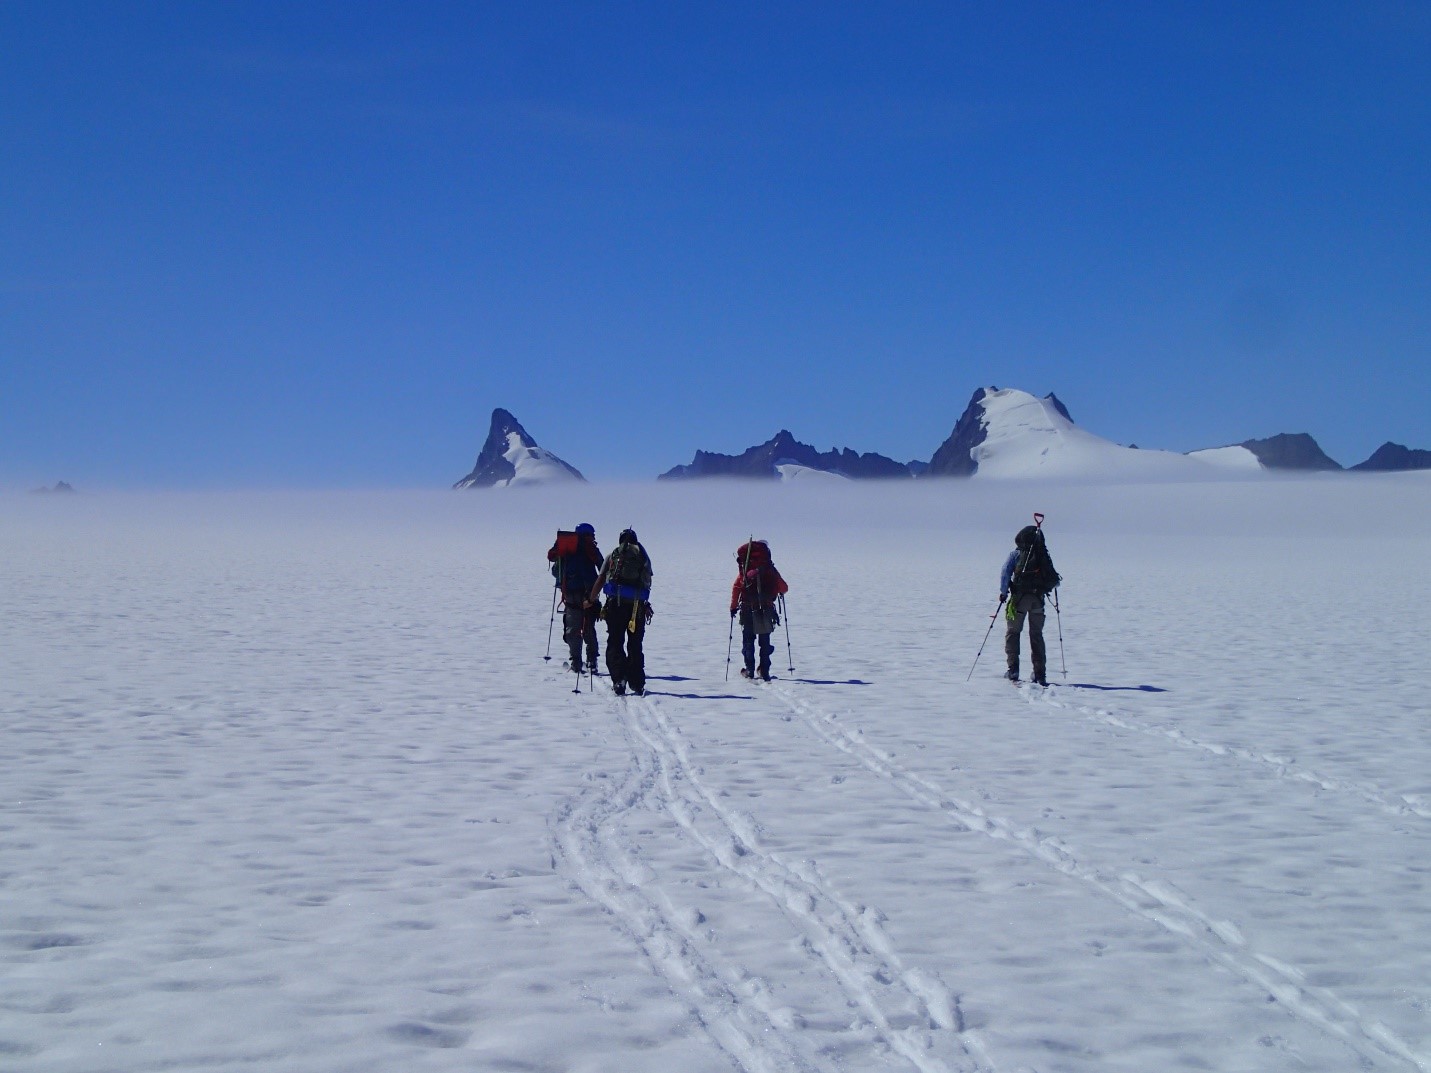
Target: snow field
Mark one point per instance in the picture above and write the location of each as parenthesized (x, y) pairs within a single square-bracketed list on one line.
[(289, 786)]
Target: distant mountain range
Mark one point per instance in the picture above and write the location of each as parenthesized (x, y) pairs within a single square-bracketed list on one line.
[(1002, 433), (783, 457)]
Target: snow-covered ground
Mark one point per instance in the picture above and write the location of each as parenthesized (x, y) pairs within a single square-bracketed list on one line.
[(286, 784)]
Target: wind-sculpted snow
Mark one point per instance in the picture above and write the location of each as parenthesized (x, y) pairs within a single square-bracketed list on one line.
[(288, 785)]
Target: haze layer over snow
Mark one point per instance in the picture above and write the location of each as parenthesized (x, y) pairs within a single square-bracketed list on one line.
[(1028, 437), (287, 785)]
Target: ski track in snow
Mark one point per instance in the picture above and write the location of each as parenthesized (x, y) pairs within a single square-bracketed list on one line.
[(844, 938), (1221, 941), (1283, 767)]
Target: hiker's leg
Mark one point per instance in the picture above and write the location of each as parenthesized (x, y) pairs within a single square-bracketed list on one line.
[(615, 635), (766, 648), (1011, 634), (1037, 653), (571, 625), (636, 655)]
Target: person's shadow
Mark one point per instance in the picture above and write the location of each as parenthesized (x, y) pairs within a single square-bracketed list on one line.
[(1111, 689)]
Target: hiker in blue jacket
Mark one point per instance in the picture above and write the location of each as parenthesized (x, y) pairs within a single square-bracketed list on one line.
[(1028, 576)]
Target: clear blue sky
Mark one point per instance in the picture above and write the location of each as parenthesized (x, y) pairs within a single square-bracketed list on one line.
[(315, 244)]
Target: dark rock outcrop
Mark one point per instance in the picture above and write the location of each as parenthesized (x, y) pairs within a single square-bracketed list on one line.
[(62, 487), (1393, 457), (1290, 450), (759, 462), (494, 467)]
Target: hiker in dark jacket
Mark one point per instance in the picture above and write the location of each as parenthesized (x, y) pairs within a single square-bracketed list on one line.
[(625, 579), (758, 585), (1028, 576), (575, 564)]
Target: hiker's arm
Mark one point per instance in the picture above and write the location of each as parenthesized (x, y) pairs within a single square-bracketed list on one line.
[(600, 581)]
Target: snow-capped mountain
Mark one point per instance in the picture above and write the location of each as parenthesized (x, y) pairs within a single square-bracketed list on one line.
[(510, 457), (784, 458), (1010, 433)]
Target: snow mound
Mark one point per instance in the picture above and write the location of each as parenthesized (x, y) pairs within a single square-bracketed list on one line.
[(533, 465), (793, 471), (1239, 458), (1025, 436)]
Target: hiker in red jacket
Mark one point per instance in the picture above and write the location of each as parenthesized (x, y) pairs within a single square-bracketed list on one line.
[(575, 560), (758, 586)]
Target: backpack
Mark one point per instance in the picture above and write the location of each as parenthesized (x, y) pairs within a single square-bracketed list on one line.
[(753, 553), (1033, 571), (574, 564), (758, 588), (758, 585), (628, 563)]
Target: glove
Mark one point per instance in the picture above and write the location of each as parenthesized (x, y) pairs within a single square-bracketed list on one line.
[(649, 612), (733, 612)]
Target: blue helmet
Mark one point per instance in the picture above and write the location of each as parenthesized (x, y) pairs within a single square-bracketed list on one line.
[(587, 528)]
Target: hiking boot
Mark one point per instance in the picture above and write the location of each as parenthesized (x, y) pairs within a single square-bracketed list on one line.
[(746, 672), (1039, 679), (619, 688), (1012, 674)]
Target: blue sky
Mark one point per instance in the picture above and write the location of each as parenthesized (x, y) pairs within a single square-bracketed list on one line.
[(313, 244)]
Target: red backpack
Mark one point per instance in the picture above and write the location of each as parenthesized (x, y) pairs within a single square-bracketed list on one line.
[(758, 586)]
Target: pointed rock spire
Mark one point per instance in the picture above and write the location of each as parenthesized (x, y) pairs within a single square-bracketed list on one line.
[(511, 457)]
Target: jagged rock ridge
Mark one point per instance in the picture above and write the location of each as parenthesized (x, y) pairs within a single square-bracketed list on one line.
[(511, 457), (765, 461), (1393, 457)]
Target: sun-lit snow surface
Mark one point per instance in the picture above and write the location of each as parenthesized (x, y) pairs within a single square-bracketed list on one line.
[(1028, 437), (287, 785), (1232, 457), (793, 471), (534, 465)]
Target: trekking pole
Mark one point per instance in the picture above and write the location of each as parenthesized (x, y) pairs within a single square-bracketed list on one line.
[(789, 654), (728, 642), (731, 639), (1058, 617), (992, 619), (555, 589)]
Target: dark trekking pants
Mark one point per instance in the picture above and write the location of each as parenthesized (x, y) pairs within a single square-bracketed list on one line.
[(578, 624), (625, 659), (748, 636), (1030, 606)]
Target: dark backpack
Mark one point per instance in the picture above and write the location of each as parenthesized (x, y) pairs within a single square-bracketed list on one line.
[(576, 561), (1033, 570), (628, 563)]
